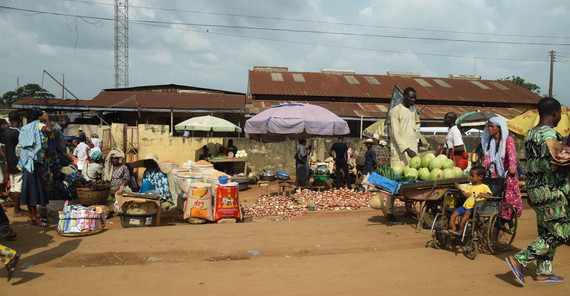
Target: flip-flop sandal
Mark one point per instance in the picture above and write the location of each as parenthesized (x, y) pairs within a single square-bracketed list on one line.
[(11, 266), (39, 223), (519, 276), (552, 279)]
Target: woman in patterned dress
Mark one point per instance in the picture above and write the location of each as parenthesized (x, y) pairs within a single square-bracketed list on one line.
[(548, 192), (500, 160), (155, 177)]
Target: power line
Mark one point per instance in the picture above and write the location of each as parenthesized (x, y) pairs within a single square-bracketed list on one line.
[(329, 22), (301, 31), (346, 47)]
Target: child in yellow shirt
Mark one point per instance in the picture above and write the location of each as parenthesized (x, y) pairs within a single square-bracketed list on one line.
[(475, 190)]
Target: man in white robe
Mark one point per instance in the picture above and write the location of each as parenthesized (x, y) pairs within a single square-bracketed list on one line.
[(404, 137)]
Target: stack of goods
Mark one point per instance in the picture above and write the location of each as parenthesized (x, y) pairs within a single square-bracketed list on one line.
[(201, 165), (198, 205), (226, 201), (429, 167), (79, 220), (285, 208), (241, 154)]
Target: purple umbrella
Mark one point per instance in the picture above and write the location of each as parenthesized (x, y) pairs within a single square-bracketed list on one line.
[(294, 121)]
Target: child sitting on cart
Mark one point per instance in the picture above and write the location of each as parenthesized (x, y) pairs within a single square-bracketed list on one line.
[(474, 190)]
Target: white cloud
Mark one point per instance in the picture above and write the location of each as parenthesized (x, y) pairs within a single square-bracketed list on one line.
[(366, 12), (195, 42), (162, 58), (47, 50)]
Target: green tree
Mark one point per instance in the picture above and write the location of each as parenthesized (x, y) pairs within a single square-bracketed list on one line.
[(520, 81), (30, 90)]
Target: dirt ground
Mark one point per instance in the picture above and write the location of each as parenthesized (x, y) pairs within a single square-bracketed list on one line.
[(319, 253)]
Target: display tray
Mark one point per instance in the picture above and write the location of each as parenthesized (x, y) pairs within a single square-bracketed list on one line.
[(82, 233), (434, 183)]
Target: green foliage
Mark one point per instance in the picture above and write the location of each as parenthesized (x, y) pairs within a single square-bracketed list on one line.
[(520, 81), (30, 90)]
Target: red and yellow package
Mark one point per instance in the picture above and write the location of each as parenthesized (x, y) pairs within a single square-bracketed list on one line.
[(226, 202)]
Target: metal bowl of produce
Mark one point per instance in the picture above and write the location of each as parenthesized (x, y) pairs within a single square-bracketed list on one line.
[(266, 175), (243, 182)]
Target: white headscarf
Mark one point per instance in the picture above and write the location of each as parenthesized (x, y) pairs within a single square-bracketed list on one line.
[(490, 146)]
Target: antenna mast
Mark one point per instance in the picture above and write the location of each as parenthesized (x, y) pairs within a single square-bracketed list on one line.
[(121, 43)]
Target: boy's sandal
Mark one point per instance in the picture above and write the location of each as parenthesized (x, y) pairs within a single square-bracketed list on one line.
[(11, 266), (39, 223)]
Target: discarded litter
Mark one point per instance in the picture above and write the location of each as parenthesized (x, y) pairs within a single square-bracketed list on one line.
[(154, 259), (254, 253), (27, 265)]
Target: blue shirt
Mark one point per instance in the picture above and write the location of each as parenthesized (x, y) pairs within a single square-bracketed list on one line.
[(369, 161)]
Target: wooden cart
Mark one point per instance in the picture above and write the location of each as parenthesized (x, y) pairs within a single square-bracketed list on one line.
[(425, 197)]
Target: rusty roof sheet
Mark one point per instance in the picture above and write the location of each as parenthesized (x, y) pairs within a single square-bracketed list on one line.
[(148, 100), (343, 87), (378, 110)]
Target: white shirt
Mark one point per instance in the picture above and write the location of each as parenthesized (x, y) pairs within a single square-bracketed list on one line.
[(81, 153), (91, 150), (96, 142), (453, 138)]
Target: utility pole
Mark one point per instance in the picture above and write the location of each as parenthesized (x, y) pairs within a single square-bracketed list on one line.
[(121, 43), (552, 54)]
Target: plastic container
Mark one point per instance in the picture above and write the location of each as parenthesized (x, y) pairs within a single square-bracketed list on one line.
[(282, 175), (138, 220), (223, 179)]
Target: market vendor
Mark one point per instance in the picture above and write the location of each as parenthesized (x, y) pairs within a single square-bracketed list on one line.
[(93, 169), (155, 177), (404, 137), (115, 171)]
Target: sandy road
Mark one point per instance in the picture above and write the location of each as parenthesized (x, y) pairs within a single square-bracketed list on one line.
[(340, 253)]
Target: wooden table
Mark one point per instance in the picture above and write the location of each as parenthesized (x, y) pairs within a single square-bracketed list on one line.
[(232, 159)]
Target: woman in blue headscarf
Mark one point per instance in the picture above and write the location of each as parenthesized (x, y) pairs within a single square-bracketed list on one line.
[(500, 160)]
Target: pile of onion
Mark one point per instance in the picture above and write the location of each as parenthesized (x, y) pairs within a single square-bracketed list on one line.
[(285, 208)]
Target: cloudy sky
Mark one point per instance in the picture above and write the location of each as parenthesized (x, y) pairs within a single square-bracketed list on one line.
[(213, 43)]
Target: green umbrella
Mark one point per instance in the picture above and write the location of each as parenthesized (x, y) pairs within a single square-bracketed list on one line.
[(207, 123)]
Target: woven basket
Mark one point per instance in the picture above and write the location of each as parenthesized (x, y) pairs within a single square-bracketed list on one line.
[(88, 196)]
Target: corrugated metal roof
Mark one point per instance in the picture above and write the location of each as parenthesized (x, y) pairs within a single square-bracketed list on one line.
[(326, 85), (147, 100), (378, 110)]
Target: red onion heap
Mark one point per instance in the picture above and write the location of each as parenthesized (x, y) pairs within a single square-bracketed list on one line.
[(285, 208)]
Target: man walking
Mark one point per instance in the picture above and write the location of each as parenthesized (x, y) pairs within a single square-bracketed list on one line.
[(404, 139), (340, 149)]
